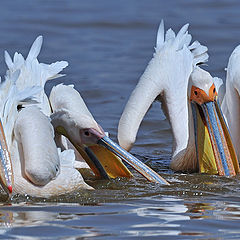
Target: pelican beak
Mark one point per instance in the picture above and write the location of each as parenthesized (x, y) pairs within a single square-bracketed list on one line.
[(104, 163), (143, 169), (104, 158), (6, 173), (215, 151)]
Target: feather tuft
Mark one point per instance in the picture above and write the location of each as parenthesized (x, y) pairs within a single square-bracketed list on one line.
[(160, 35), (8, 60), (33, 73), (35, 49)]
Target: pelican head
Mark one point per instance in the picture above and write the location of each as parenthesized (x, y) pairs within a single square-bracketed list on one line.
[(214, 148), (72, 119)]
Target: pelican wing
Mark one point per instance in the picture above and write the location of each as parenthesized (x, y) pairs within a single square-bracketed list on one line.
[(33, 73), (11, 98), (199, 53)]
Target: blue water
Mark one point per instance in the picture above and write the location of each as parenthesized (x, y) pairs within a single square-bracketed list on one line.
[(108, 45)]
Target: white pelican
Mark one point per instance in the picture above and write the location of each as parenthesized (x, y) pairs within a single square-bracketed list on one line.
[(231, 100), (200, 138), (38, 167)]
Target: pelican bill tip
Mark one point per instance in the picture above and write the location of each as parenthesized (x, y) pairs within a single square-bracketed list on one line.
[(10, 188)]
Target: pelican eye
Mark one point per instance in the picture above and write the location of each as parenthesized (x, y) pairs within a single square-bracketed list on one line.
[(195, 92), (87, 133), (19, 107)]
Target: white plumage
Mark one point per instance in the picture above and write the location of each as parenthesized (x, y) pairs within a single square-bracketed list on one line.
[(166, 78), (33, 130), (173, 77), (231, 100), (39, 168), (33, 73)]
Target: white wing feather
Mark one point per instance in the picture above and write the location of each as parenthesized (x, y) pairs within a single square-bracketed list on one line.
[(198, 51), (170, 34), (35, 49), (67, 158), (33, 73), (8, 60), (11, 97), (160, 35)]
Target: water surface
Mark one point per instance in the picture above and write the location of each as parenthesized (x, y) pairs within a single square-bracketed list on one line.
[(108, 45)]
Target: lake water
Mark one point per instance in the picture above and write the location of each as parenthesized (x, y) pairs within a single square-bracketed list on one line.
[(108, 45)]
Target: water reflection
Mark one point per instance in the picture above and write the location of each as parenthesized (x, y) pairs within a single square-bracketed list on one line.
[(199, 210), (27, 222), (164, 216), (6, 219)]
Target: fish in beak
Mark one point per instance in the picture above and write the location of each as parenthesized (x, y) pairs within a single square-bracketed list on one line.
[(6, 173), (104, 157), (214, 147)]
